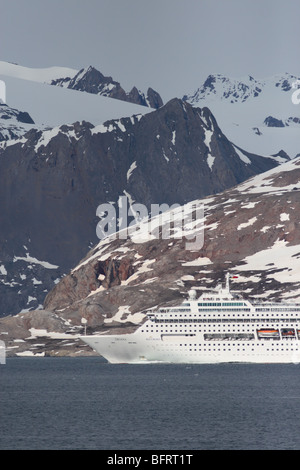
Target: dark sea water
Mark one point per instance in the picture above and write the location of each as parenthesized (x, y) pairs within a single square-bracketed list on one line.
[(85, 403)]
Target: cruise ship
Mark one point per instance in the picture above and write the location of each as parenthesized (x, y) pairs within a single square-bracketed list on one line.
[(217, 327)]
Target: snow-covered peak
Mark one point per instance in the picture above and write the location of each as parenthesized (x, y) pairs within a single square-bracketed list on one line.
[(91, 80), (238, 90), (221, 87), (249, 109)]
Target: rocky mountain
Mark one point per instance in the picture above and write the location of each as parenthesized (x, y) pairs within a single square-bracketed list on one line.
[(250, 230), (234, 90), (225, 88), (250, 110), (90, 80), (53, 181)]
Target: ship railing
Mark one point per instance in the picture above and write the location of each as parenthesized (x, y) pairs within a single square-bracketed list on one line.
[(195, 319), (275, 304)]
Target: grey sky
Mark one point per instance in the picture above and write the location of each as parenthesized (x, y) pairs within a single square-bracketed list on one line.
[(171, 45)]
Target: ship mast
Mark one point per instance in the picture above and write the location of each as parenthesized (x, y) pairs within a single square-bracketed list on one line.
[(227, 283)]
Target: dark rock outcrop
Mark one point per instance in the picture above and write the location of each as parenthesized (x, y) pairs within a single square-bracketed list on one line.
[(270, 121), (90, 80)]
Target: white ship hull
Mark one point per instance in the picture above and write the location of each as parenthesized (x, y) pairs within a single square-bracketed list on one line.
[(136, 349)]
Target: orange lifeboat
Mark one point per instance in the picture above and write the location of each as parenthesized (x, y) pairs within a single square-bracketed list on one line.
[(268, 333)]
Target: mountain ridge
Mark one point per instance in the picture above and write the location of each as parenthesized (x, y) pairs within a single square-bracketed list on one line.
[(239, 89), (91, 80)]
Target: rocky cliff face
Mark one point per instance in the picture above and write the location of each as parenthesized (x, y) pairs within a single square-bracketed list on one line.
[(90, 80), (53, 181)]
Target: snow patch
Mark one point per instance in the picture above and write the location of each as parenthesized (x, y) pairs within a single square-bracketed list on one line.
[(242, 156), (46, 137), (125, 310), (266, 228), (3, 271), (210, 161), (30, 259), (131, 169), (36, 333), (165, 156), (279, 256), (246, 224), (142, 269), (173, 137), (201, 261), (284, 217), (251, 205), (207, 140), (187, 277)]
